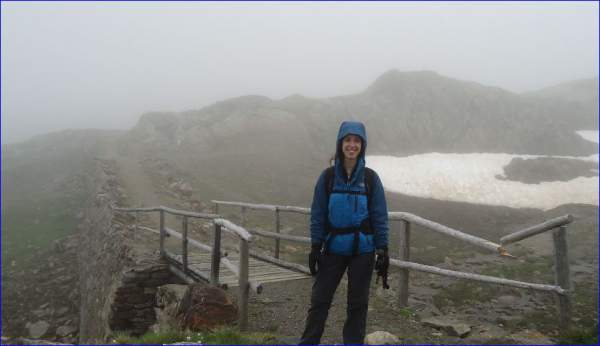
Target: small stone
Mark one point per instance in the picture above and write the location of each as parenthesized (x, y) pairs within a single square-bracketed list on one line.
[(508, 300), (37, 329), (63, 331), (381, 338), (62, 311), (451, 328)]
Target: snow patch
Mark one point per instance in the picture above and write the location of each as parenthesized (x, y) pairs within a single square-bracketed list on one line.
[(589, 135), (473, 178)]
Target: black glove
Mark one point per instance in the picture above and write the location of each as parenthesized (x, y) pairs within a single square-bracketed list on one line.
[(313, 259), (382, 264)]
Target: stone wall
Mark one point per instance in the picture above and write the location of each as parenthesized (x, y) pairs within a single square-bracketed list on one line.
[(102, 255), (132, 309), (118, 280)]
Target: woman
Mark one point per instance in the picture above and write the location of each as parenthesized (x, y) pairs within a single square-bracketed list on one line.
[(348, 225)]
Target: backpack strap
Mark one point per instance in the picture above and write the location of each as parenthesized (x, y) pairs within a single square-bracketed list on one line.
[(329, 176), (369, 182)]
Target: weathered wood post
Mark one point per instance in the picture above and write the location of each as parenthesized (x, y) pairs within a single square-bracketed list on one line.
[(404, 255), (244, 287), (562, 275), (243, 215), (184, 244), (162, 233), (216, 208), (216, 256), (277, 230)]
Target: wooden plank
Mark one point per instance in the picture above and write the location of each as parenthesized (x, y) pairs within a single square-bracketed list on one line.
[(184, 243), (277, 276), (247, 205), (434, 226), (282, 263), (216, 255), (243, 285), (475, 277), (188, 213), (128, 210), (243, 215), (404, 252), (235, 229), (254, 284), (537, 229), (562, 275), (277, 230), (287, 279), (186, 278), (290, 209), (161, 229), (294, 238)]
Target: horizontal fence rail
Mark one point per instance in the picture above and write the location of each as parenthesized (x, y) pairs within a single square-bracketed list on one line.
[(475, 277), (434, 226), (269, 207), (537, 229), (169, 211)]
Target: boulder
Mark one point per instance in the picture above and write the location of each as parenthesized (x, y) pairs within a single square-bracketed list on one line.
[(186, 189), (206, 307), (381, 338), (449, 327), (37, 329)]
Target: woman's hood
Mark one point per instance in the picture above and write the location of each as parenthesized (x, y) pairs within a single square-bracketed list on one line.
[(352, 128)]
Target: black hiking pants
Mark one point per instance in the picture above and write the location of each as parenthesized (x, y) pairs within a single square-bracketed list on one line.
[(331, 270)]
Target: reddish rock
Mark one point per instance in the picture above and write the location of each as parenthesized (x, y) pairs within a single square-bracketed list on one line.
[(206, 307)]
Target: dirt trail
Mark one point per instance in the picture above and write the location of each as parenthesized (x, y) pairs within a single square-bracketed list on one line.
[(138, 185)]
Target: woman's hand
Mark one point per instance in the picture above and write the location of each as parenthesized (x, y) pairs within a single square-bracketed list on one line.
[(382, 264), (313, 259)]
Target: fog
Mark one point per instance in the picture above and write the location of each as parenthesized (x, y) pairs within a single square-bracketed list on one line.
[(100, 65)]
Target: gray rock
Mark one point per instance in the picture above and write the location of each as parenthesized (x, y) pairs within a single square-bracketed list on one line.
[(450, 327), (381, 338), (62, 311), (41, 312), (63, 331), (37, 329), (508, 300)]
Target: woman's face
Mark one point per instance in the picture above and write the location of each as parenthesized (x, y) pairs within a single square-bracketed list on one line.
[(351, 145)]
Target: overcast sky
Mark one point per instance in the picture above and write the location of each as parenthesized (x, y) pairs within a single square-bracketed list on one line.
[(101, 65)]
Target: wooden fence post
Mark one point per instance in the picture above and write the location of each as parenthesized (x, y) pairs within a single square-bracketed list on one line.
[(243, 285), (136, 217), (277, 230), (243, 215), (562, 276), (184, 244), (216, 207), (162, 233), (404, 255), (216, 256)]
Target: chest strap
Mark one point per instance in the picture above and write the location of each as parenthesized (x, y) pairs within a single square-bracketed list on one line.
[(364, 227)]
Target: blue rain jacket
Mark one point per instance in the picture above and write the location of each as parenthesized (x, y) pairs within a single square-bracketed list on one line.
[(346, 209)]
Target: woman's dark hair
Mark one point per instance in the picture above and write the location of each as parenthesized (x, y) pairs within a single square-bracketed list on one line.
[(332, 160)]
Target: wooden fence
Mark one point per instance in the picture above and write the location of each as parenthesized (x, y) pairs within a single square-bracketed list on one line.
[(560, 288)]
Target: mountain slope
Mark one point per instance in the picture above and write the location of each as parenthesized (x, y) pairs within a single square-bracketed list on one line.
[(253, 147)]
